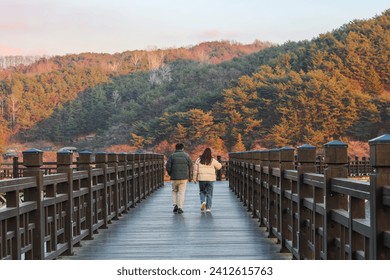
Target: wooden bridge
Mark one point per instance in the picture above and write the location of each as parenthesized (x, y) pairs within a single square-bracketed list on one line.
[(273, 206), (151, 231)]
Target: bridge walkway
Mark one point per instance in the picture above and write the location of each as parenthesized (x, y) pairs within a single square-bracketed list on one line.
[(151, 231)]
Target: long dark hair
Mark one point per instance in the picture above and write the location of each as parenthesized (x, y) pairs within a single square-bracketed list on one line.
[(206, 158)]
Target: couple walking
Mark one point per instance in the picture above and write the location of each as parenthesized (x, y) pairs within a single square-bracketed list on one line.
[(181, 170)]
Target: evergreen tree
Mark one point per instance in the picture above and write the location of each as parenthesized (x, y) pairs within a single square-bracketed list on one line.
[(239, 146)]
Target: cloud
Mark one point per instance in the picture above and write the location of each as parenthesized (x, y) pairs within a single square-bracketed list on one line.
[(211, 34), (9, 51), (214, 34)]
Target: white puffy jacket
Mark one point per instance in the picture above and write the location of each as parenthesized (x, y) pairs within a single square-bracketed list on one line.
[(204, 172)]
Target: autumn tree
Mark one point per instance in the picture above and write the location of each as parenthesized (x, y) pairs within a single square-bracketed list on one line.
[(180, 135), (239, 146), (139, 141)]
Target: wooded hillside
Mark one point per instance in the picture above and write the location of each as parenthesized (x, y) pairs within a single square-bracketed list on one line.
[(30, 94)]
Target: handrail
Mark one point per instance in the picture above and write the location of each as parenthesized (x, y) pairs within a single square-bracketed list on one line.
[(45, 216), (313, 215)]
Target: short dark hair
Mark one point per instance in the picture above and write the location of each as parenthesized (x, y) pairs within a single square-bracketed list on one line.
[(179, 146)]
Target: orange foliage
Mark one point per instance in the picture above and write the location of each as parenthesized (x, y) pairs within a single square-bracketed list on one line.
[(215, 147), (121, 149), (358, 148), (164, 148), (257, 145), (51, 156)]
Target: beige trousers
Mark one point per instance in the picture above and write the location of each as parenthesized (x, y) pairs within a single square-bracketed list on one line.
[(178, 192)]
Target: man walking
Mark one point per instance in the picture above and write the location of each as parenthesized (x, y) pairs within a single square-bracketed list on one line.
[(179, 167)]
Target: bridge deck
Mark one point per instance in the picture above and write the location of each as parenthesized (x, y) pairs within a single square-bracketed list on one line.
[(152, 231)]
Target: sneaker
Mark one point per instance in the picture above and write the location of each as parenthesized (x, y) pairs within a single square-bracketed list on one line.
[(175, 209), (180, 211), (208, 210), (203, 207)]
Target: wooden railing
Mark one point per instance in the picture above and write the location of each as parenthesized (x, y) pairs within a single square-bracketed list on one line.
[(222, 173), (312, 215), (45, 216), (357, 167)]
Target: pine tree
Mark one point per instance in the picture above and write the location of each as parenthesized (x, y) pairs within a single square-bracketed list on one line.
[(373, 84)]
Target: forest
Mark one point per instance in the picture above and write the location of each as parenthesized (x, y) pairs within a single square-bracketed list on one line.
[(226, 95)]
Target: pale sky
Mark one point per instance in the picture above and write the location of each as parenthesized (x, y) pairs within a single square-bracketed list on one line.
[(58, 27)]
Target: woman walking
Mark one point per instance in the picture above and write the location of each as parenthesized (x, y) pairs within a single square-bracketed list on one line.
[(204, 173)]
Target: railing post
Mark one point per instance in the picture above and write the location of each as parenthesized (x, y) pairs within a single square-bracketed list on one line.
[(241, 175), (263, 213), (85, 163), (231, 175), (245, 178), (234, 172), (144, 174), (64, 165), (365, 163), (147, 169), (240, 171), (112, 161), (250, 177), (273, 203), (286, 162), (336, 158), (133, 184), (15, 167), (162, 169), (256, 183), (153, 172), (124, 195), (219, 172), (101, 162), (14, 225), (238, 174), (139, 176), (355, 166), (148, 173), (33, 160), (306, 157), (379, 216)]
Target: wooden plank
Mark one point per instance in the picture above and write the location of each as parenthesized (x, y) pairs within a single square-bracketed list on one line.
[(314, 179), (351, 187), (152, 231)]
